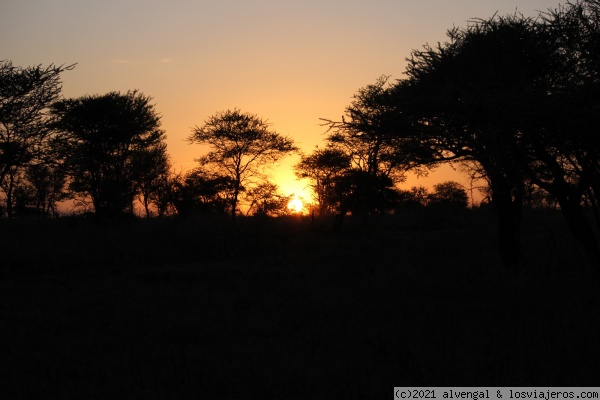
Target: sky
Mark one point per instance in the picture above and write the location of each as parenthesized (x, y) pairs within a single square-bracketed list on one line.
[(289, 62)]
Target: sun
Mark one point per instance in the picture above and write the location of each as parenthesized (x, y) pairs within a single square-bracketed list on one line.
[(296, 205)]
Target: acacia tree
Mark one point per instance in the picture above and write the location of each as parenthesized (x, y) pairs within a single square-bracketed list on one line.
[(242, 146), (517, 98), (25, 97), (416, 197), (471, 98), (152, 168), (378, 157), (200, 191), (365, 133), (324, 168), (265, 200), (448, 194), (46, 183), (564, 153), (105, 140)]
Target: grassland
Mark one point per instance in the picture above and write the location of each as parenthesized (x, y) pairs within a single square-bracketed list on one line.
[(286, 309)]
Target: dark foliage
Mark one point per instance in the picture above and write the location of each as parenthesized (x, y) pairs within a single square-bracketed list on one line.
[(516, 98), (242, 146), (323, 168), (199, 192), (26, 138), (448, 195), (113, 149)]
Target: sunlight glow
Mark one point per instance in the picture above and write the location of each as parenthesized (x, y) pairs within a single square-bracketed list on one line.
[(194, 70), (296, 205)]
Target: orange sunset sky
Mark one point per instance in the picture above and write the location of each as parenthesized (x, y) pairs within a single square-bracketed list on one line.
[(290, 62)]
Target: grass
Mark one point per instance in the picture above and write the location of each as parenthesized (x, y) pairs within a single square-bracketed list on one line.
[(286, 309)]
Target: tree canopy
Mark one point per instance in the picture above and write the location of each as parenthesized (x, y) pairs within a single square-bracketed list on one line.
[(517, 98), (25, 135), (242, 147), (113, 147)]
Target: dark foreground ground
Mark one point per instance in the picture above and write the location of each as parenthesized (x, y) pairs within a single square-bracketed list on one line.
[(286, 309)]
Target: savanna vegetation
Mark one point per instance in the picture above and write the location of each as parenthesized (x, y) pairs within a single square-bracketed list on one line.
[(204, 284)]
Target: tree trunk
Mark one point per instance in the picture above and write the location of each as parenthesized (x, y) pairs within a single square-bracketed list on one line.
[(569, 200), (339, 217), (9, 191), (580, 228), (147, 206), (234, 200)]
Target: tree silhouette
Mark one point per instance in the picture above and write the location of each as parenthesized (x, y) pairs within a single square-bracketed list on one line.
[(241, 146), (365, 132), (46, 183), (448, 195), (200, 191), (324, 168), (517, 98), (564, 152), (471, 97), (379, 157), (416, 197), (265, 200), (152, 168), (339, 188), (107, 138), (25, 97)]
